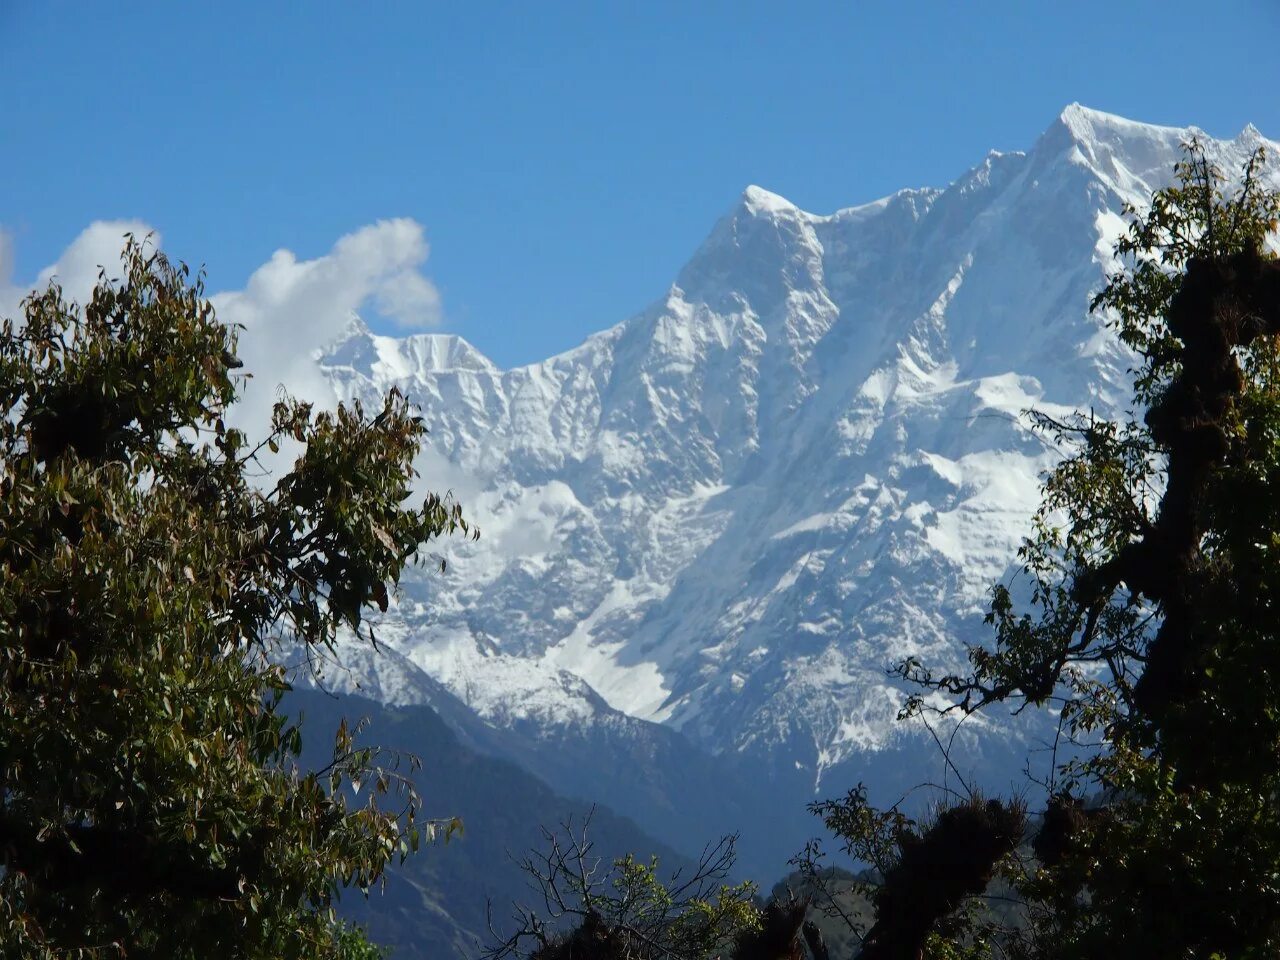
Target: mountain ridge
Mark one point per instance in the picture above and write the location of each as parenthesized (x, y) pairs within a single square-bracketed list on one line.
[(1080, 123), (805, 461)]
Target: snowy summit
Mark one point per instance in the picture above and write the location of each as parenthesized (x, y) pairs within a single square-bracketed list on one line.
[(805, 461)]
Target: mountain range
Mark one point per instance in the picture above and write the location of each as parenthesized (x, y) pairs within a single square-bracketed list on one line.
[(707, 531)]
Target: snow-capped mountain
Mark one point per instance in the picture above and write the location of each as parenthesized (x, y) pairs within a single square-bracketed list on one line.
[(728, 514)]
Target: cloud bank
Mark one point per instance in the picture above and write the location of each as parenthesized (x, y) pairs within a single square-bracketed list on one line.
[(289, 307), (76, 270)]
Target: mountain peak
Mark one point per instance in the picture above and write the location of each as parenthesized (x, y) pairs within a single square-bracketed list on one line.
[(731, 511), (439, 352), (392, 359), (1088, 123), (1129, 157), (1089, 128), (1251, 137), (355, 327), (759, 201)]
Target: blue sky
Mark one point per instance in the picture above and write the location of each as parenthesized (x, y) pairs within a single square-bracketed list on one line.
[(562, 159)]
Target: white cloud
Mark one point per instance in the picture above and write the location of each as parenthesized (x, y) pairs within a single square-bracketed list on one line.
[(76, 270), (97, 247), (288, 307)]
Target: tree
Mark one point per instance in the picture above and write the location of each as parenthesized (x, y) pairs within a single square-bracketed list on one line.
[(1154, 580), (922, 894), (584, 911), (150, 802)]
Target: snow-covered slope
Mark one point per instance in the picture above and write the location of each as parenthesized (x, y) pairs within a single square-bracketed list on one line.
[(806, 461)]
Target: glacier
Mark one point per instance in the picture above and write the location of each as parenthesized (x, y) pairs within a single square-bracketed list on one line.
[(729, 514)]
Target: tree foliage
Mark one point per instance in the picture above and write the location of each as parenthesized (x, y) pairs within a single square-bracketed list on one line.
[(1154, 630), (925, 881), (150, 804), (625, 910)]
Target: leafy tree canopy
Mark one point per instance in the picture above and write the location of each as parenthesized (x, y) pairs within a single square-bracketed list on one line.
[(150, 804)]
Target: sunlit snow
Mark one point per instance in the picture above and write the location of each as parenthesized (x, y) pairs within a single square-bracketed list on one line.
[(805, 461)]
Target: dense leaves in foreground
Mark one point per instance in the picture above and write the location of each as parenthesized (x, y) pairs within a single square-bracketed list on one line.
[(1153, 577), (150, 804)]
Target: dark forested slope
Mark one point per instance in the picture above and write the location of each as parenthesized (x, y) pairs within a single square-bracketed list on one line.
[(434, 905)]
